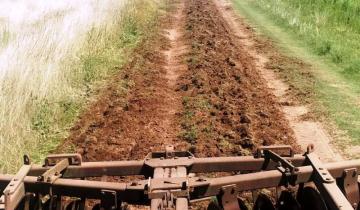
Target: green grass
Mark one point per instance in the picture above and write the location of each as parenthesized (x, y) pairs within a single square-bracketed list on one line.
[(330, 28), (324, 34), (38, 111), (189, 131), (100, 59)]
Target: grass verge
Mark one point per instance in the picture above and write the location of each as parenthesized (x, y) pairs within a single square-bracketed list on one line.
[(45, 120), (335, 85)]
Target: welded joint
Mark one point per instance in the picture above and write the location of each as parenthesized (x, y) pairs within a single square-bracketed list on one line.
[(281, 161), (53, 173)]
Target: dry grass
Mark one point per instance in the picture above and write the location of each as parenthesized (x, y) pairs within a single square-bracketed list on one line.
[(51, 54)]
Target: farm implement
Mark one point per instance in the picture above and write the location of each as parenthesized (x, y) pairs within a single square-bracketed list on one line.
[(274, 178)]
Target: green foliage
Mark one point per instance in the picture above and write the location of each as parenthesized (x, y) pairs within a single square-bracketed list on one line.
[(323, 48), (190, 135), (189, 129), (353, 70), (90, 66), (330, 27), (324, 34), (131, 31), (49, 122)]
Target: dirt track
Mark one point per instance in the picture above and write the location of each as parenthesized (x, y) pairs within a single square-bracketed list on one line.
[(190, 84)]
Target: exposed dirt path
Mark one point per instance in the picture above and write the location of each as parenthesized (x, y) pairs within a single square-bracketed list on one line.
[(306, 131), (138, 112), (174, 67), (191, 84), (228, 109)]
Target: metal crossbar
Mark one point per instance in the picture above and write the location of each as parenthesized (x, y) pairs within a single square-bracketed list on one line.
[(170, 180)]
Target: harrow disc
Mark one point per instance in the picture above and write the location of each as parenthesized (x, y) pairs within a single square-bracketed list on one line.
[(287, 201), (214, 205), (263, 202), (310, 198)]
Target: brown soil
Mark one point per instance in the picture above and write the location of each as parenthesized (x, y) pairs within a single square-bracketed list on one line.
[(190, 84), (276, 68), (241, 112)]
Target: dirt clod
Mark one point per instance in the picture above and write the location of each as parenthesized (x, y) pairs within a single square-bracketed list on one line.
[(189, 84)]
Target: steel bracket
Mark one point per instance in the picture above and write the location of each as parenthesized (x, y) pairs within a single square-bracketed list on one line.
[(320, 171), (73, 159), (15, 190), (326, 184), (169, 152), (54, 172), (283, 150), (288, 170), (158, 187), (349, 185)]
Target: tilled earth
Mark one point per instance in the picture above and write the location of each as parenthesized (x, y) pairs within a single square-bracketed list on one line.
[(189, 84)]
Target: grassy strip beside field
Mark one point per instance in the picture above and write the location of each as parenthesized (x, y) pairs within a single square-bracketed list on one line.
[(310, 30), (45, 119)]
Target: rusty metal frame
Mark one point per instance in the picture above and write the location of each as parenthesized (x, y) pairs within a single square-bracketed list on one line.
[(167, 182)]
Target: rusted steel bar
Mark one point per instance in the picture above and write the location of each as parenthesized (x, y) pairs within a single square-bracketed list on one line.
[(200, 187), (97, 169), (14, 192), (157, 202), (326, 184), (244, 163), (194, 165), (168, 184), (67, 187), (265, 179), (333, 197)]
